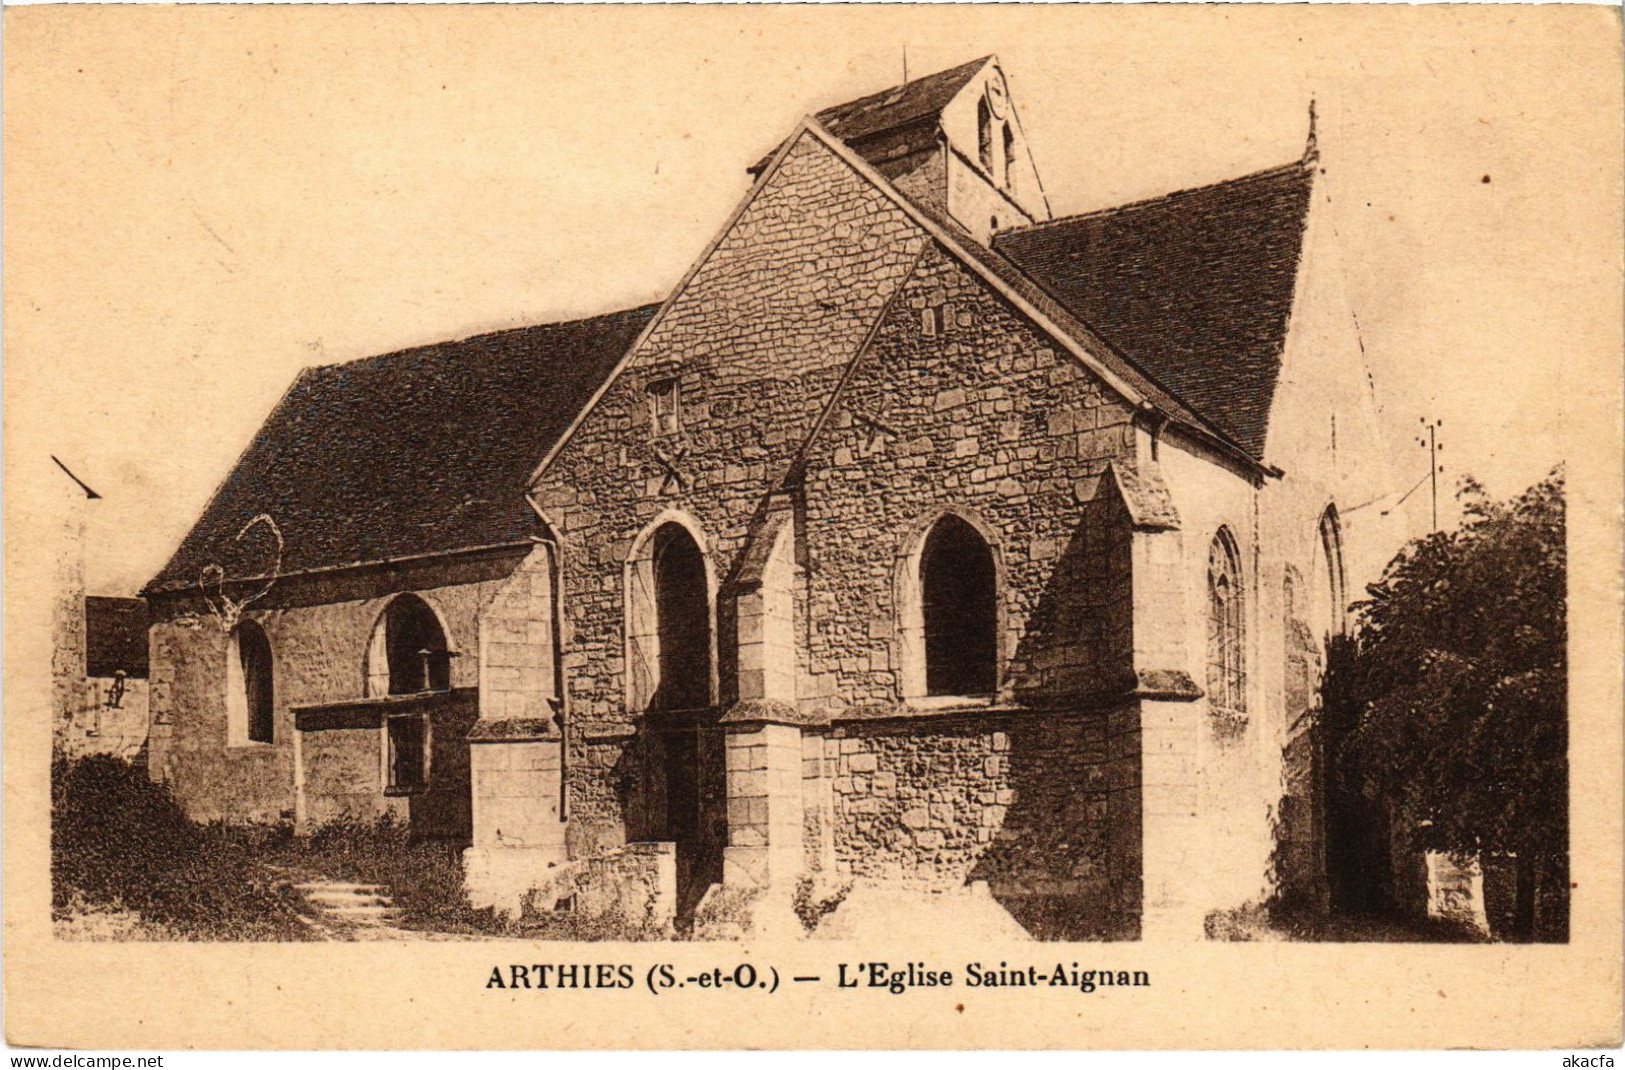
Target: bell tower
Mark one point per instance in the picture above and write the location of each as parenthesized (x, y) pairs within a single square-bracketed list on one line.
[(991, 183), (952, 143)]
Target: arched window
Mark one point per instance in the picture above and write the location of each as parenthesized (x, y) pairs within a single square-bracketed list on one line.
[(250, 699), (984, 135), (959, 600), (408, 654), (1009, 155), (1226, 661), (1331, 547), (682, 621)]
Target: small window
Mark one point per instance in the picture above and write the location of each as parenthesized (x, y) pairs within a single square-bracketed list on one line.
[(250, 700), (1331, 546), (664, 412), (408, 738), (984, 135), (1009, 155), (1226, 661), (934, 320)]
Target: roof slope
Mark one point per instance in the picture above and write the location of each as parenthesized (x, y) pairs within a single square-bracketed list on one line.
[(1195, 287), (900, 105), (115, 636), (419, 452), (909, 104)]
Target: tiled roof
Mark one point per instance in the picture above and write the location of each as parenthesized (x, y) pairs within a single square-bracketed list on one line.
[(115, 636), (900, 105), (419, 452), (1195, 288)]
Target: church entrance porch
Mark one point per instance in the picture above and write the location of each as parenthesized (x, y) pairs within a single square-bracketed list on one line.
[(688, 796)]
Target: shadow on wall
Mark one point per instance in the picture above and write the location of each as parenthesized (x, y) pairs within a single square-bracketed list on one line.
[(669, 784), (1065, 859), (1055, 858), (1079, 641)]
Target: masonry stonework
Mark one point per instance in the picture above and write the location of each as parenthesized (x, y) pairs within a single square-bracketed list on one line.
[(319, 641), (890, 339)]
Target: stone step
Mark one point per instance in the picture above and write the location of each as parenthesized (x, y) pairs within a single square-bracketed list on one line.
[(362, 913), (327, 898), (342, 886)]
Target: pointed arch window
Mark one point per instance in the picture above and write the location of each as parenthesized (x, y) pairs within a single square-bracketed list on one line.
[(1226, 651), (984, 135), (1009, 156), (250, 694), (1331, 547), (670, 620), (408, 654), (959, 600)]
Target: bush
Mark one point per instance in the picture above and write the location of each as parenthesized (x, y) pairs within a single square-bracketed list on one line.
[(118, 841)]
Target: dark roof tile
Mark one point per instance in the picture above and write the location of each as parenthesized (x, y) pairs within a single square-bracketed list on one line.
[(1195, 288), (916, 102), (901, 105), (420, 452)]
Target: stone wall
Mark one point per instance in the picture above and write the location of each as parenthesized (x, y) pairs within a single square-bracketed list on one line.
[(344, 771), (518, 667), (984, 415), (802, 273), (990, 419), (319, 630), (96, 728), (1021, 800), (635, 884)]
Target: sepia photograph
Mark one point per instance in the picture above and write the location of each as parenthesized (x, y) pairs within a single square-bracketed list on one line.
[(1078, 498)]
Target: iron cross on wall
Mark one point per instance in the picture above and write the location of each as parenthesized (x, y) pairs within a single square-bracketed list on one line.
[(877, 433), (673, 478)]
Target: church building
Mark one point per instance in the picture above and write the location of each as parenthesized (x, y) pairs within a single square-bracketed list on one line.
[(919, 541)]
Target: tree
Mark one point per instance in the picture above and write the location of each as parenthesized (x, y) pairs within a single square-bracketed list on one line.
[(1459, 673)]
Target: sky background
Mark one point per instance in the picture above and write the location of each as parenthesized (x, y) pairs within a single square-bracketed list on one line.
[(200, 202)]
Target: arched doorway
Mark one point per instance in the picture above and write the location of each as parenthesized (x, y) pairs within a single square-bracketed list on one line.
[(672, 645), (959, 598)]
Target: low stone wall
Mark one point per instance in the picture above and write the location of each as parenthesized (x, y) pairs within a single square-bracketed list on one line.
[(636, 884), (96, 728)]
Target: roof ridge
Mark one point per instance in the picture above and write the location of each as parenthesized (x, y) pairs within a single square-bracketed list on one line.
[(466, 339), (1077, 335), (1147, 202), (881, 94)]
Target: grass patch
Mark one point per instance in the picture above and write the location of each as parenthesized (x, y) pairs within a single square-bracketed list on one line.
[(123, 852), (1259, 922)]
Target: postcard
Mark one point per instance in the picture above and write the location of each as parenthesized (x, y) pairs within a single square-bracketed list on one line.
[(812, 527)]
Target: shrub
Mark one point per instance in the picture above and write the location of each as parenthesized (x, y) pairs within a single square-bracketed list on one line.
[(118, 841), (813, 903)]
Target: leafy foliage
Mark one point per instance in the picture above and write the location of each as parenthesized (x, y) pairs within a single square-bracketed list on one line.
[(119, 841), (1457, 683)]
